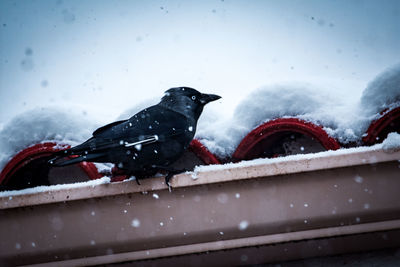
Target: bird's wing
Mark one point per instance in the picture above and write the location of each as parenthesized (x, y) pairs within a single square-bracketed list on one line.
[(107, 127), (151, 125)]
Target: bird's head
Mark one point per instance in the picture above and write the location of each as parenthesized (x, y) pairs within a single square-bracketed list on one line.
[(187, 101)]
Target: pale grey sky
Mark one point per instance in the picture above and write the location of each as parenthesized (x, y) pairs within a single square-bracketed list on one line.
[(107, 56)]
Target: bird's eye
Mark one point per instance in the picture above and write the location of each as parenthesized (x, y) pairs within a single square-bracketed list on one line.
[(193, 97)]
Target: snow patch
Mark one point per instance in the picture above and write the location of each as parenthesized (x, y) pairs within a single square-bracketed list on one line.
[(261, 161), (383, 91), (45, 188), (391, 143), (63, 126), (104, 167)]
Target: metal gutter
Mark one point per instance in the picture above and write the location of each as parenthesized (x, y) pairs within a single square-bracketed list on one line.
[(231, 244), (330, 198)]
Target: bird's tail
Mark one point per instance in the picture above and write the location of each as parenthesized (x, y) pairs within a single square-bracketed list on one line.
[(79, 153), (60, 161)]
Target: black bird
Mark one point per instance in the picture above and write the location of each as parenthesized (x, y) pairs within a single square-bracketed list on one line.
[(149, 141)]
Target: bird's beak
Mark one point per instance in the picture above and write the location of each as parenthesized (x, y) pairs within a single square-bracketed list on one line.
[(206, 98)]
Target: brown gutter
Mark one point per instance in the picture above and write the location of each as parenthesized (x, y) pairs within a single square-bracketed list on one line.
[(231, 244), (213, 174), (329, 198)]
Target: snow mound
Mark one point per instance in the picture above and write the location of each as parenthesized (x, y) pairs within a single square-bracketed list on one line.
[(40, 125), (391, 143), (298, 100), (383, 92), (344, 119), (278, 101)]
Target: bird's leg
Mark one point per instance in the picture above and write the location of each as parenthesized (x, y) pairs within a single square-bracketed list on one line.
[(170, 173), (131, 173)]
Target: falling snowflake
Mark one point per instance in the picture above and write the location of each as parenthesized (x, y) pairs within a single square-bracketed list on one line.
[(135, 223), (243, 225), (138, 147), (358, 179)]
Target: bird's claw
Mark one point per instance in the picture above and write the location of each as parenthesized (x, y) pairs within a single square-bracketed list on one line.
[(170, 174)]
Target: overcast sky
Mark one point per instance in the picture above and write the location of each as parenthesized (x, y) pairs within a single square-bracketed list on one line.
[(107, 56)]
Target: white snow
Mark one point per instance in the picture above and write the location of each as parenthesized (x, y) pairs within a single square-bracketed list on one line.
[(299, 100), (392, 142), (243, 225), (45, 188), (343, 117), (103, 167), (261, 161), (383, 92), (135, 223), (358, 179), (63, 126)]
